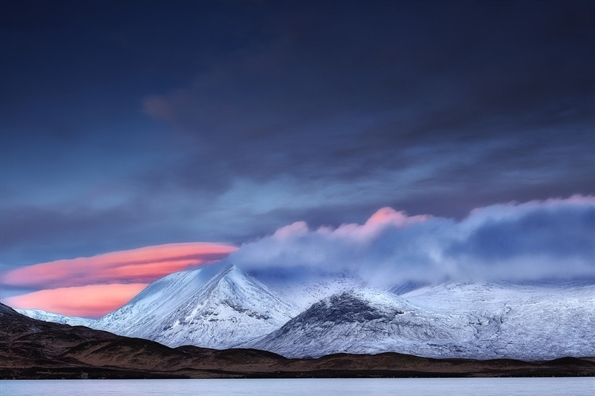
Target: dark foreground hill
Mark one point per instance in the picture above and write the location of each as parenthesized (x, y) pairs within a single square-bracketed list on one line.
[(33, 349)]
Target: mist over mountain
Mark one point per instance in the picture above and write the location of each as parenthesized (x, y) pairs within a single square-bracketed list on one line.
[(548, 240)]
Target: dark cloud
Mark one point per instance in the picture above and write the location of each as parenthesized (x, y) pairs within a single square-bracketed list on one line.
[(340, 95), (34, 234)]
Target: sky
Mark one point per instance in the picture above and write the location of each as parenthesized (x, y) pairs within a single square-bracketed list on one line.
[(141, 138)]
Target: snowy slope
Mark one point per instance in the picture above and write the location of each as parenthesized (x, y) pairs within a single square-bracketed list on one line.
[(201, 307), (529, 322), (305, 292), (55, 318), (155, 302), (368, 321), (480, 321)]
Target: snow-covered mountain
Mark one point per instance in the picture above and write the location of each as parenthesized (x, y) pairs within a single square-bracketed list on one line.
[(479, 321), (367, 321), (528, 322), (214, 307), (220, 307), (55, 318)]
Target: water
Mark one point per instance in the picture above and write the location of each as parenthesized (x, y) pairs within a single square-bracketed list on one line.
[(309, 387)]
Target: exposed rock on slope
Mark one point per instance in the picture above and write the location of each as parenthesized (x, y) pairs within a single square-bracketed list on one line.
[(368, 321)]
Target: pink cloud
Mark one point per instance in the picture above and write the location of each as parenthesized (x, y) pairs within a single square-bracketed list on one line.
[(289, 231), (390, 216), (142, 265), (90, 301), (381, 219)]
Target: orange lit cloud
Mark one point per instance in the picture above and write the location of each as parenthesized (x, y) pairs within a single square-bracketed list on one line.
[(91, 301), (390, 216), (142, 265), (383, 218)]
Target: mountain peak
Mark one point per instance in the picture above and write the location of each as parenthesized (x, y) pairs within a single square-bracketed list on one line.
[(216, 307), (230, 270)]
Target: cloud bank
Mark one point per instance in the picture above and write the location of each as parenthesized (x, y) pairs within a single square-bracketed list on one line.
[(538, 240)]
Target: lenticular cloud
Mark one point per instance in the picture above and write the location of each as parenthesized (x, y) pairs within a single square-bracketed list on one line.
[(94, 286), (537, 240), (91, 301), (141, 265)]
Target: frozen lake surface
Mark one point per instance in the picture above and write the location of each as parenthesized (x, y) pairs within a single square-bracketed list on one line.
[(326, 387)]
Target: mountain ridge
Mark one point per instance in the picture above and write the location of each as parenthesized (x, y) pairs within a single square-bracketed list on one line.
[(222, 307), (33, 349)]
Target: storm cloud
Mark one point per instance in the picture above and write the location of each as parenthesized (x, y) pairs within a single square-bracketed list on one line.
[(342, 96)]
